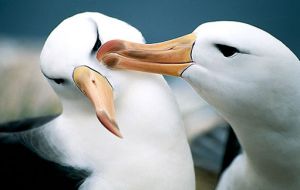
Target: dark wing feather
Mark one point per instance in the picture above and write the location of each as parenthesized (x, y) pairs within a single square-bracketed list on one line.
[(25, 124), (232, 149), (21, 168)]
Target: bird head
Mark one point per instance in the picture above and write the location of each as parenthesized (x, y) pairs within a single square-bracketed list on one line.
[(232, 65), (68, 61)]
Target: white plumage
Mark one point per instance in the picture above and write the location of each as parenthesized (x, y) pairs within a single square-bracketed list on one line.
[(257, 91), (154, 153), (252, 79)]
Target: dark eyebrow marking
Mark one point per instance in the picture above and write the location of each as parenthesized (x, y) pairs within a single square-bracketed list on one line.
[(97, 44), (56, 80)]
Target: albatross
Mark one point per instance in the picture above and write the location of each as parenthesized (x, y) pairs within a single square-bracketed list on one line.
[(251, 78), (153, 151)]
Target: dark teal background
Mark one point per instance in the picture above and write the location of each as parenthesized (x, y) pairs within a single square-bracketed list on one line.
[(158, 19)]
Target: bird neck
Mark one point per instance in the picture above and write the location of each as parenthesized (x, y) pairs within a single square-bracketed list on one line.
[(270, 150)]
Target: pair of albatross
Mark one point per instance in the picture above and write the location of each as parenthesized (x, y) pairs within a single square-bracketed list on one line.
[(251, 78), (154, 153)]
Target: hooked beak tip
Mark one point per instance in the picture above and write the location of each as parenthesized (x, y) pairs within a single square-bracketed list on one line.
[(110, 46), (108, 123)]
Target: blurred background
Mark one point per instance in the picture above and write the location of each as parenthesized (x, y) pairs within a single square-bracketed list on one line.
[(25, 25)]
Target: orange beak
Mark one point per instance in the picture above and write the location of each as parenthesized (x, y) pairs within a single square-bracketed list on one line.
[(170, 58), (99, 91)]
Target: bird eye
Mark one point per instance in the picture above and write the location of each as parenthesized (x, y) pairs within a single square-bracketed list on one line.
[(227, 51), (56, 80), (59, 81)]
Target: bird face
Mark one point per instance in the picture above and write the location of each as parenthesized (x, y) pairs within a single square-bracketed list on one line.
[(233, 62), (228, 63), (68, 61)]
